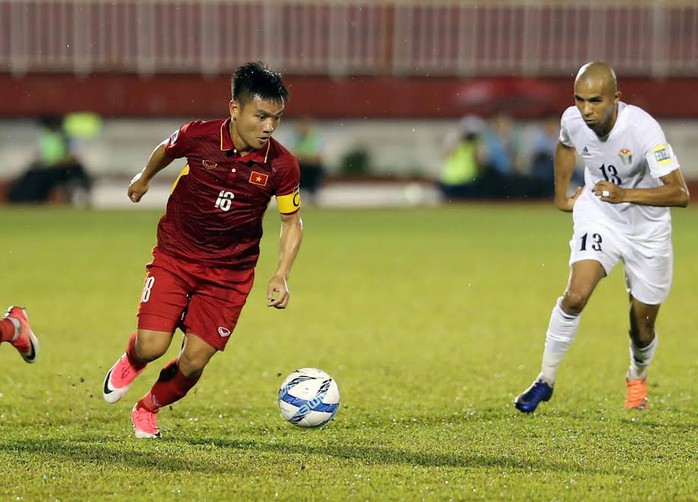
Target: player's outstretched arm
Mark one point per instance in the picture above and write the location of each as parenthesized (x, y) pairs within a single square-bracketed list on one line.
[(565, 162), (140, 183), (290, 242), (672, 193)]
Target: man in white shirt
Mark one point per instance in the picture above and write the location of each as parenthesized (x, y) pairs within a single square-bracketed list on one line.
[(631, 178)]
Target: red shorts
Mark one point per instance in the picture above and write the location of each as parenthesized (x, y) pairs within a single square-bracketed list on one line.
[(202, 300)]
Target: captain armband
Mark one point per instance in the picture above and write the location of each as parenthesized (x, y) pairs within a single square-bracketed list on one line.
[(289, 203)]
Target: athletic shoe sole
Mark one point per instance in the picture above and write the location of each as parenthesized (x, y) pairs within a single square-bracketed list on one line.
[(32, 356)]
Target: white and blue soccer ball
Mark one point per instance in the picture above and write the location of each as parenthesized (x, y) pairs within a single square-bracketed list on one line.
[(308, 397)]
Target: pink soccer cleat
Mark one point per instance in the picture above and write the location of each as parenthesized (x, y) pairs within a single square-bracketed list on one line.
[(145, 423), (26, 343), (118, 379)]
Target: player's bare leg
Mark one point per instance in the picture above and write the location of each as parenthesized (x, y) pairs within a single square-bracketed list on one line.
[(562, 329), (143, 347), (643, 344), (175, 380)]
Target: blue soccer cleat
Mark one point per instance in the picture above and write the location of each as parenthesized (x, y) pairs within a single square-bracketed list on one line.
[(528, 401)]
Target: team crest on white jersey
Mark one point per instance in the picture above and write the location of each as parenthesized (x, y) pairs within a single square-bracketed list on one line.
[(626, 156)]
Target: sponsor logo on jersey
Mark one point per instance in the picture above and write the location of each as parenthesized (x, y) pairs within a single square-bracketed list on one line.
[(259, 179), (662, 154), (585, 152), (208, 164), (626, 156), (223, 331)]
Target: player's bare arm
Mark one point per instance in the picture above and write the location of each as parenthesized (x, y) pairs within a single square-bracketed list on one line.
[(565, 161), (673, 192), (290, 241), (140, 183)]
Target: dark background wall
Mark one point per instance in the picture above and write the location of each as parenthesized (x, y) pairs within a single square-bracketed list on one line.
[(119, 95)]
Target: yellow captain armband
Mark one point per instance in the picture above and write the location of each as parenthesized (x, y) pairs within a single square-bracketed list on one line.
[(289, 203), (184, 172)]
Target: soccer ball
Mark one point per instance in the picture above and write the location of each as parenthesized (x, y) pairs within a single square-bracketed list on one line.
[(308, 397)]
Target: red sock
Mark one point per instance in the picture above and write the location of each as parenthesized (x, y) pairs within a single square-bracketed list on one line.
[(171, 386), (7, 330), (131, 353)]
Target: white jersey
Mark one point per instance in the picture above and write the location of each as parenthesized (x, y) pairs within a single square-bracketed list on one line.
[(635, 154)]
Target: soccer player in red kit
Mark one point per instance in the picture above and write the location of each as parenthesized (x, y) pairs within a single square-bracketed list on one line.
[(208, 240)]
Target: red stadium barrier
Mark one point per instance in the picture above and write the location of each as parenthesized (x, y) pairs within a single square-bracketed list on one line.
[(324, 97)]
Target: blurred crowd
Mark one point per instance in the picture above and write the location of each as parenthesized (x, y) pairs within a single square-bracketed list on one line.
[(57, 173), (495, 160), (481, 158)]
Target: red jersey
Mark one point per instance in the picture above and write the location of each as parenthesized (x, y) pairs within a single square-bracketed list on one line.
[(214, 213)]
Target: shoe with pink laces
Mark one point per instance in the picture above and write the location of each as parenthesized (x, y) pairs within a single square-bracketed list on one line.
[(145, 423), (118, 379), (26, 343)]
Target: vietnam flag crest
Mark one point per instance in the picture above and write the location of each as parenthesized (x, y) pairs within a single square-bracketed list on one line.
[(259, 178)]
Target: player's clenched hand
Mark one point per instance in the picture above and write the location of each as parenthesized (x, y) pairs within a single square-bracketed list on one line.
[(137, 188), (608, 192), (278, 293), (568, 202)]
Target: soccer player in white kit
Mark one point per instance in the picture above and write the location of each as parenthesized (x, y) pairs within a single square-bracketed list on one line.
[(631, 178)]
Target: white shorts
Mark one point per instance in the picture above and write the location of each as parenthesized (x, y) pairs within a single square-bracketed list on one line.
[(648, 265)]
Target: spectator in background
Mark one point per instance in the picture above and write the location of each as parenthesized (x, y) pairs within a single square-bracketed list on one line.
[(462, 165), (504, 174), (502, 145), (306, 143), (542, 156), (57, 167)]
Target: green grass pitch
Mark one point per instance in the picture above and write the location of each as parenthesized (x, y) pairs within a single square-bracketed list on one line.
[(430, 320)]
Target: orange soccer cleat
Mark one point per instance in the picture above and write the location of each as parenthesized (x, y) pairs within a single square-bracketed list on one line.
[(636, 397)]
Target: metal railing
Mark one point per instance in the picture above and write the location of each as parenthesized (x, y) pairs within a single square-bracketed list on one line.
[(332, 37)]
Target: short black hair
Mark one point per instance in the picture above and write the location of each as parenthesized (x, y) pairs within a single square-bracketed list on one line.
[(256, 79)]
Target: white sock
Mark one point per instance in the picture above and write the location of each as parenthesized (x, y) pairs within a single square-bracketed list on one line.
[(640, 359), (561, 332)]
